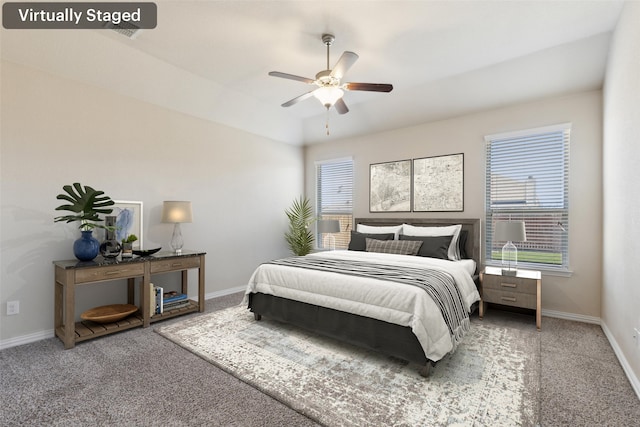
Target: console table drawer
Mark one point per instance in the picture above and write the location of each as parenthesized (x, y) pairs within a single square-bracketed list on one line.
[(120, 271), (514, 299), (175, 264), (509, 284)]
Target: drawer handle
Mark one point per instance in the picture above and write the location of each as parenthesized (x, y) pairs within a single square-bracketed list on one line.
[(110, 273), (176, 264), (511, 299), (508, 285)]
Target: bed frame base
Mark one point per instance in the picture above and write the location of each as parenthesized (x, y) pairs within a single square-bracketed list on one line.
[(387, 338)]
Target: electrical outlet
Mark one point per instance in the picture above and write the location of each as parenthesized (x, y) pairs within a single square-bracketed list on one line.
[(13, 307)]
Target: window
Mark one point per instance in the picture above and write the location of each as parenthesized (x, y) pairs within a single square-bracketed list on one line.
[(527, 179), (334, 192)]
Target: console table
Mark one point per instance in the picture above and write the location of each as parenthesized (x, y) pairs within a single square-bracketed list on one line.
[(72, 273)]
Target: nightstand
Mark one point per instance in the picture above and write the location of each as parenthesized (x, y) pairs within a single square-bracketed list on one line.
[(522, 290)]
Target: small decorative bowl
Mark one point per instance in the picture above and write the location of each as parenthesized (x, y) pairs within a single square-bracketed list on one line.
[(145, 252)]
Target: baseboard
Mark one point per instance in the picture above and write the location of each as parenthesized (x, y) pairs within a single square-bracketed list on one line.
[(633, 379), (571, 316), (26, 339), (43, 335), (224, 292)]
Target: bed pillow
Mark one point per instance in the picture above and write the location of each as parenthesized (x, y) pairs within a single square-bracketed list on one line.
[(450, 230), (398, 247), (374, 229), (432, 246), (358, 242), (462, 244)]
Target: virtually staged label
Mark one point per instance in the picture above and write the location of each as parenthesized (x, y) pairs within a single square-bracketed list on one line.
[(66, 16)]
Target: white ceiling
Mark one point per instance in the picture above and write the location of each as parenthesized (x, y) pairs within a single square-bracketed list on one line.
[(210, 59)]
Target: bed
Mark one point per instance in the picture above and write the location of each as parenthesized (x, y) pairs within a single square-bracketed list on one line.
[(342, 294)]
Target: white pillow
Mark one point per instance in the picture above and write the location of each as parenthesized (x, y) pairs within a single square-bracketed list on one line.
[(373, 229), (450, 230)]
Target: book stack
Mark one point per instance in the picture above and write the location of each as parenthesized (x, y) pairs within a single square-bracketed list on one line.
[(161, 301), (172, 300)]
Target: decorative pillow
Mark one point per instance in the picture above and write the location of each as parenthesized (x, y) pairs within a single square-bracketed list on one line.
[(462, 244), (374, 229), (450, 230), (358, 243), (432, 246), (398, 247)]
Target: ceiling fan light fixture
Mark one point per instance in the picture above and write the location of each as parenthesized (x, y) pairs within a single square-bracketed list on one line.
[(328, 95)]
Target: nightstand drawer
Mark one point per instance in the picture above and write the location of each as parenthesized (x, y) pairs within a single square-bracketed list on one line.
[(515, 299), (510, 284), (175, 264), (118, 271)]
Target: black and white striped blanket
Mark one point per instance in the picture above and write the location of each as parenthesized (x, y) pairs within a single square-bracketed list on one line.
[(440, 285)]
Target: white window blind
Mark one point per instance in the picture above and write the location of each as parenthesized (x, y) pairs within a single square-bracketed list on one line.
[(527, 179), (334, 190)]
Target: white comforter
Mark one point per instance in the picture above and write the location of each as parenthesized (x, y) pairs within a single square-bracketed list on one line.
[(388, 301)]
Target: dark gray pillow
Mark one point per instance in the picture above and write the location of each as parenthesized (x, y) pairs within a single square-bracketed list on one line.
[(432, 246), (358, 243), (406, 247)]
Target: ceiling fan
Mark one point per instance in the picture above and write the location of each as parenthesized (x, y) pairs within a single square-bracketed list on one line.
[(329, 88)]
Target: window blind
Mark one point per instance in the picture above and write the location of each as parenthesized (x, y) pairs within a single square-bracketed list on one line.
[(334, 190), (527, 179)]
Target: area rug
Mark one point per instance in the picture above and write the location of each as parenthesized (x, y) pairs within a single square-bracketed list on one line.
[(492, 379)]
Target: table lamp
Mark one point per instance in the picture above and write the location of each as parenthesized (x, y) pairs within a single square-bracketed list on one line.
[(177, 212), (510, 231), (329, 226)]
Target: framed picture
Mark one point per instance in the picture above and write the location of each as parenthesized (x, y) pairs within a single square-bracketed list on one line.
[(128, 221), (438, 183), (390, 186)]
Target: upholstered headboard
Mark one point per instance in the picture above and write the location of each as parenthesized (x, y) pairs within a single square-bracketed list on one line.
[(472, 225)]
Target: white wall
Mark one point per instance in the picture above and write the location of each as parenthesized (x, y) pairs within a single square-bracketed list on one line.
[(621, 170), (56, 131), (577, 295)]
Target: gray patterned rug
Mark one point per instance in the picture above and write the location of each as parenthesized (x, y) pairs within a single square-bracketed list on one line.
[(492, 379)]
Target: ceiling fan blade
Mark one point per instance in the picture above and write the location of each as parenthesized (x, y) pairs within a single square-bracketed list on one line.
[(291, 77), (371, 87), (298, 99), (341, 107), (344, 63)]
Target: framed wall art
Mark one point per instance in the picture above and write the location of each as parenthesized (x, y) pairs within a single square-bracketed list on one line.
[(438, 183), (390, 186), (128, 220)]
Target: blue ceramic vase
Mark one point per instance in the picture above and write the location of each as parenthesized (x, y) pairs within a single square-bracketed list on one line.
[(86, 247)]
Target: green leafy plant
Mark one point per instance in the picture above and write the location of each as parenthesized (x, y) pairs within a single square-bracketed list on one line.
[(130, 238), (299, 237), (86, 204)]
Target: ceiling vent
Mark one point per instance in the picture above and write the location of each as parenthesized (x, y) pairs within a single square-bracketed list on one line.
[(125, 28)]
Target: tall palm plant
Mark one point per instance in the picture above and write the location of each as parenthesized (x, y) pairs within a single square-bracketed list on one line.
[(299, 237)]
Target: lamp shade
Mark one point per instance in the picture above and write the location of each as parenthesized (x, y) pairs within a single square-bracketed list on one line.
[(510, 231), (328, 226), (177, 212)]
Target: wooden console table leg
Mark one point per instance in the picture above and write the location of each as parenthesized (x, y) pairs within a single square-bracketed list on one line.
[(145, 296), (185, 282), (201, 284), (130, 291), (69, 304)]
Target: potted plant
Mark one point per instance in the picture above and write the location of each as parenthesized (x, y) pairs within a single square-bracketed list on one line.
[(127, 245), (298, 236), (86, 204)]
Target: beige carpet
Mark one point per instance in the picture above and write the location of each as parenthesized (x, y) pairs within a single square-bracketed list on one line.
[(492, 379)]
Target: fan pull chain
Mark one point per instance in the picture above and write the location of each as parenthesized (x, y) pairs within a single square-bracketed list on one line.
[(327, 125)]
